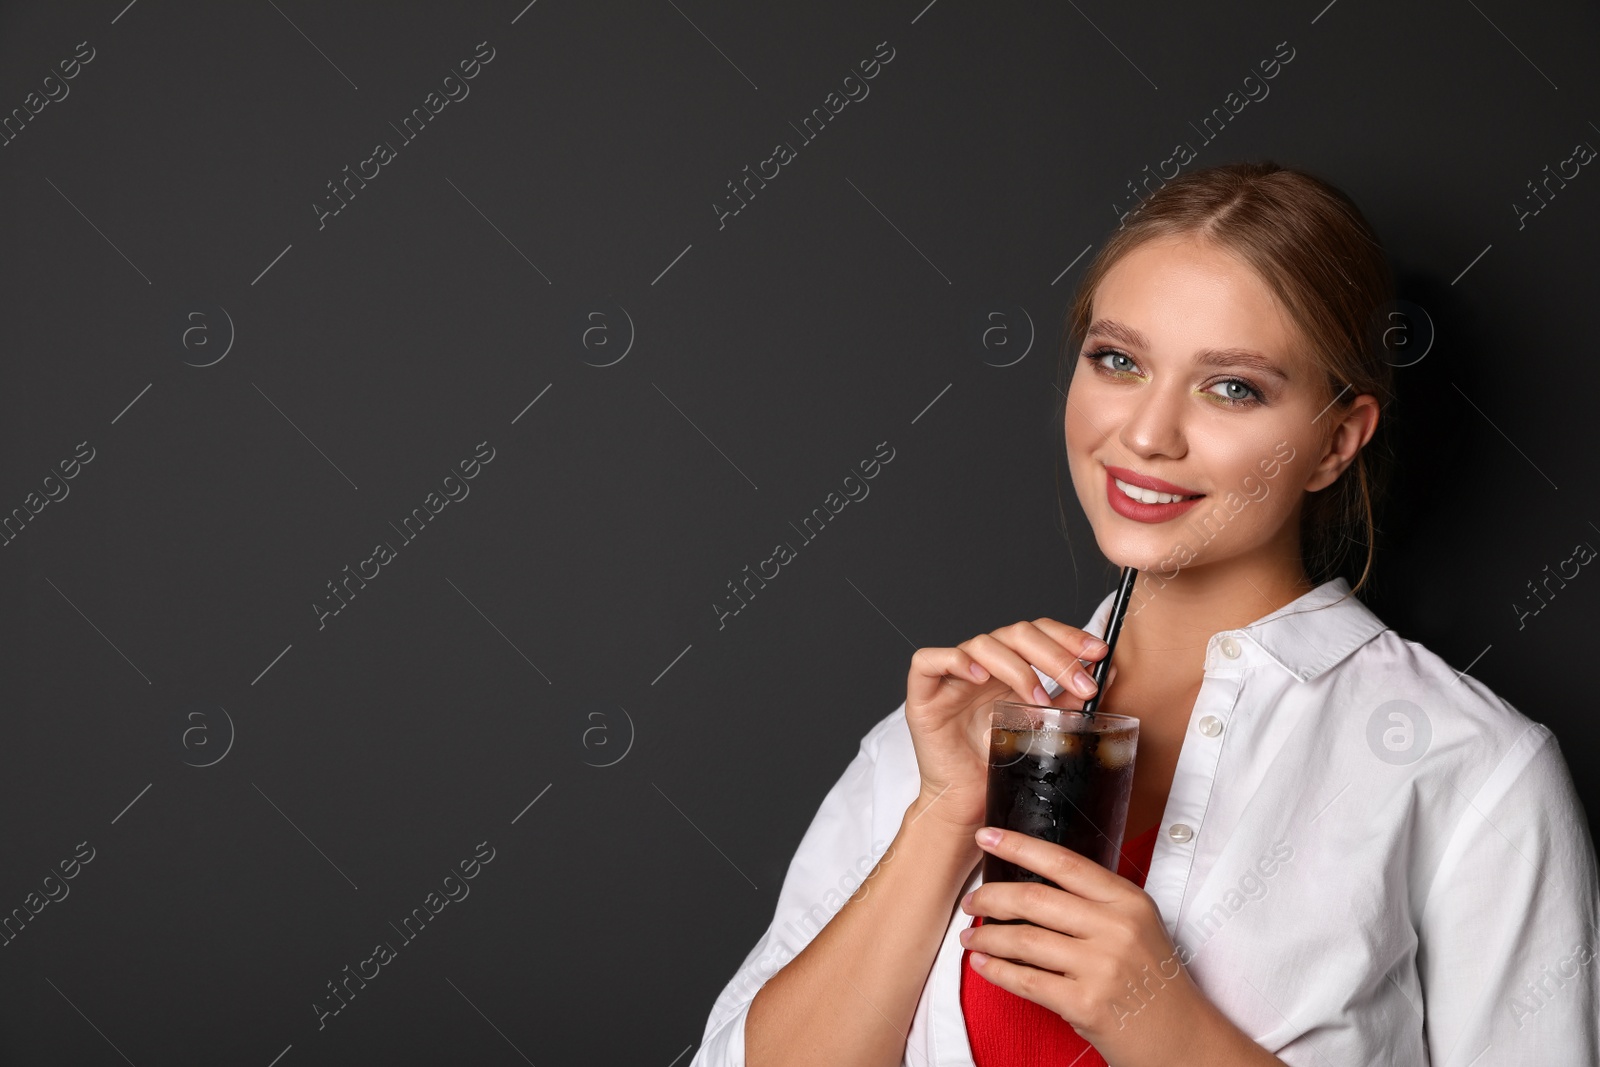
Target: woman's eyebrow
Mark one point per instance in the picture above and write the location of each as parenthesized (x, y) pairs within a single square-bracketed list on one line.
[(1206, 357), (1239, 357), (1116, 330)]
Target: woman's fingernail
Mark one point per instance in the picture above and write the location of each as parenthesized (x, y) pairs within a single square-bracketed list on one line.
[(966, 901), (978, 959), (1082, 684), (966, 935), (989, 836), (1040, 696), (1094, 644), (979, 673)]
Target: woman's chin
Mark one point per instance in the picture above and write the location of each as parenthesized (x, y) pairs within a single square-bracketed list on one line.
[(1142, 546), (1124, 551)]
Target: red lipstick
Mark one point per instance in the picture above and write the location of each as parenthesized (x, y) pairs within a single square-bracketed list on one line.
[(1138, 510), (1144, 481)]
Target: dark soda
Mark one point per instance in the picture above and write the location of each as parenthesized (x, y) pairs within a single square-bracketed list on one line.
[(1068, 788)]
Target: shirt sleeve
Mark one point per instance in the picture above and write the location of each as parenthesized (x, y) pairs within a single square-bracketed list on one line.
[(1507, 952), (839, 850)]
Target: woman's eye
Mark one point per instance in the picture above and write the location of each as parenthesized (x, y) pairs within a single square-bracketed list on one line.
[(1236, 391), (1119, 363)]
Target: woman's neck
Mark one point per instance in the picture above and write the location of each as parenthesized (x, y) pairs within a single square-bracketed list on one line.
[(1170, 620)]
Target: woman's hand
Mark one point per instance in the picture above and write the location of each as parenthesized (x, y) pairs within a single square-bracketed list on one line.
[(1098, 953), (946, 696)]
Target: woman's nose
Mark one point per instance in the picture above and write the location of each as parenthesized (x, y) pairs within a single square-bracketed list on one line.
[(1154, 425)]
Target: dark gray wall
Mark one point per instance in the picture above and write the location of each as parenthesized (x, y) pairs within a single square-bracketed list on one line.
[(264, 790)]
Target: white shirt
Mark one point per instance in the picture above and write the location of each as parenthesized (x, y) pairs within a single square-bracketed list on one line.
[(1365, 857)]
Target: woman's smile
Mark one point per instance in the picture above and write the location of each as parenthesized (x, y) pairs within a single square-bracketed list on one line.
[(1146, 498), (1145, 505)]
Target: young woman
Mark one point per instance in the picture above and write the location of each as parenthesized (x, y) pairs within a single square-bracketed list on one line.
[(1339, 849)]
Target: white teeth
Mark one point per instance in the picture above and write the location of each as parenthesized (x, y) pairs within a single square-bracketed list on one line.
[(1147, 496)]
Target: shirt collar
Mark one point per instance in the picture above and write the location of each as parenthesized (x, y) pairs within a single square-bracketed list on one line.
[(1306, 636)]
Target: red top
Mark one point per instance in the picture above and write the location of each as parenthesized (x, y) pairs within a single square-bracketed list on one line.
[(1006, 1030)]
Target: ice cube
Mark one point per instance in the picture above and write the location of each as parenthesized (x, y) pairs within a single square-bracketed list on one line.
[(1054, 744), (1115, 752)]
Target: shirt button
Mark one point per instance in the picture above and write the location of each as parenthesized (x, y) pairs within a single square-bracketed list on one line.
[(1210, 725), (1179, 832), (1230, 647)]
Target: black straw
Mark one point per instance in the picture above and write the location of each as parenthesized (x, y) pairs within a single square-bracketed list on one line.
[(1119, 607)]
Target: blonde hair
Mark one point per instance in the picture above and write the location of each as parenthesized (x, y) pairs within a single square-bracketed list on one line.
[(1311, 245)]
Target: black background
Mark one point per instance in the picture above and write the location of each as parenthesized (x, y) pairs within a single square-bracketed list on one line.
[(560, 618)]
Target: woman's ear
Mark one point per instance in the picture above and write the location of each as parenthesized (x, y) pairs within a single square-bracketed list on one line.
[(1349, 435)]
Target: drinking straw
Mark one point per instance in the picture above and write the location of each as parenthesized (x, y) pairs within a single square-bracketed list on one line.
[(1119, 608)]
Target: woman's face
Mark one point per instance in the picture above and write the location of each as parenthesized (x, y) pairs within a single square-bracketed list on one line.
[(1192, 373)]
